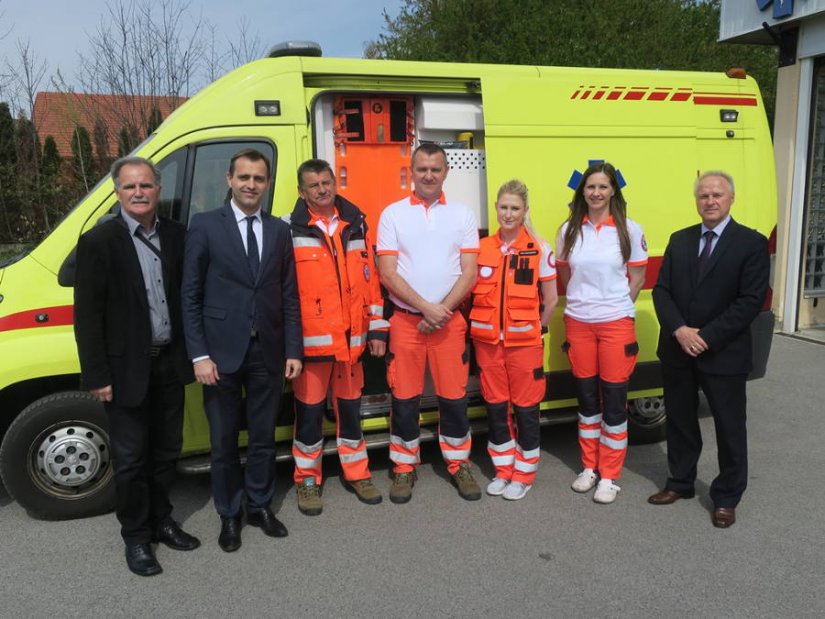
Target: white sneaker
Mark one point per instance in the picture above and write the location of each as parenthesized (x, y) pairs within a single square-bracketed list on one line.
[(497, 486), (585, 481), (606, 492), (516, 490)]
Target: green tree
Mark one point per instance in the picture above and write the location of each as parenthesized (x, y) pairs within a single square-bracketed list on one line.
[(8, 161), (82, 158), (56, 195), (50, 161), (638, 34), (127, 139), (100, 138), (27, 181), (154, 120)]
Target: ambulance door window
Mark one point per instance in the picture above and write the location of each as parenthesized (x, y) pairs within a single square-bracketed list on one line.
[(171, 184), (210, 162)]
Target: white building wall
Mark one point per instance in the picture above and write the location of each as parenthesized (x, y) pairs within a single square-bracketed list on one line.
[(741, 22)]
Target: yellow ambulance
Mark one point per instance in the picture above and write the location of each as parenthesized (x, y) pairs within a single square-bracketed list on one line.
[(543, 125)]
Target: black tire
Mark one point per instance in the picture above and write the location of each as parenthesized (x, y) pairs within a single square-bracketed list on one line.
[(646, 419), (55, 459)]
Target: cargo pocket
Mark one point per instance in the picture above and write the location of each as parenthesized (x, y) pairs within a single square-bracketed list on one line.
[(390, 359)]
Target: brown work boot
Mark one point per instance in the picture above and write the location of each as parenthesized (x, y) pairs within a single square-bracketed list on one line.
[(402, 485), (309, 497), (366, 491), (467, 486)]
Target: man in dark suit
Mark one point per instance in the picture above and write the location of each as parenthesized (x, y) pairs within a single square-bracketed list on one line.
[(132, 355), (711, 286), (243, 333)]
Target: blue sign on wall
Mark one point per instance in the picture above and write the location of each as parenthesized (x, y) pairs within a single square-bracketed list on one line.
[(781, 8)]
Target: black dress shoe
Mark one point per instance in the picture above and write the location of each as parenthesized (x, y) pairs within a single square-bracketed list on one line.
[(141, 560), (230, 538), (172, 535), (265, 519)]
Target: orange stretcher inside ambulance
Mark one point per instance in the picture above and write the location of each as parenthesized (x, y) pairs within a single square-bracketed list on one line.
[(540, 124)]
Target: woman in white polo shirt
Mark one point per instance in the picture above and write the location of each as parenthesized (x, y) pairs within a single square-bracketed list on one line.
[(602, 256)]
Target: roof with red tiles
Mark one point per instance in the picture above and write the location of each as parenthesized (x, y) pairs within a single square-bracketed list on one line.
[(59, 113)]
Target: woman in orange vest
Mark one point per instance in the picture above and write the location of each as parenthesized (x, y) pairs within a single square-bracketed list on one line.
[(602, 260), (513, 300)]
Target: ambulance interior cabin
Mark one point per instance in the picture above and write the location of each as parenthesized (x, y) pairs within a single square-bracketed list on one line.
[(368, 139)]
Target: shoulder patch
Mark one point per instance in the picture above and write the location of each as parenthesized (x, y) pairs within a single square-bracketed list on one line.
[(644, 243)]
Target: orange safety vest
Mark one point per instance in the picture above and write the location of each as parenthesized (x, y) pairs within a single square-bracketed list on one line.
[(341, 303), (506, 296)]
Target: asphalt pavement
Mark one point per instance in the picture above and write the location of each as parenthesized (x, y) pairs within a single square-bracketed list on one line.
[(553, 554)]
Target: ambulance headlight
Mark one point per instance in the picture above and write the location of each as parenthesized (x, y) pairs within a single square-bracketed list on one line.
[(267, 108), (728, 116)]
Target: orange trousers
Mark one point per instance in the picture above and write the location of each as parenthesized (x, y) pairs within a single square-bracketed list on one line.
[(512, 385), (444, 352), (344, 381), (602, 358)]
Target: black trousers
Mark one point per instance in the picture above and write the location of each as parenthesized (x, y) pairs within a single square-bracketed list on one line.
[(146, 441), (223, 404), (726, 396)]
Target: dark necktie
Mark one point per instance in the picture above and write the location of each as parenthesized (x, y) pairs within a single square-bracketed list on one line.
[(252, 249), (703, 257)]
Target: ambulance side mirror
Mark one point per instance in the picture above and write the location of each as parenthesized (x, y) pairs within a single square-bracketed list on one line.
[(66, 273)]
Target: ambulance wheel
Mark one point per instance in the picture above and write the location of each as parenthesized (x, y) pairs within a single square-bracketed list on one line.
[(646, 420), (55, 459)]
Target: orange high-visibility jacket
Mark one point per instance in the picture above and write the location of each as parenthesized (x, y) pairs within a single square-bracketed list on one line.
[(506, 295), (341, 304)]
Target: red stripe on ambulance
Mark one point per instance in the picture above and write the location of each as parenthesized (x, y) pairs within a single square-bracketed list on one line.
[(58, 316)]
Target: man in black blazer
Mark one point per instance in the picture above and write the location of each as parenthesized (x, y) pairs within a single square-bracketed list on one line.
[(711, 286), (243, 333), (132, 355)]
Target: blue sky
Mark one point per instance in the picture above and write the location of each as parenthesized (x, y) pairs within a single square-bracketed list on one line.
[(58, 29)]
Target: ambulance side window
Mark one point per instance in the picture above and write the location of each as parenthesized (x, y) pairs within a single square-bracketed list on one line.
[(171, 184), (208, 188)]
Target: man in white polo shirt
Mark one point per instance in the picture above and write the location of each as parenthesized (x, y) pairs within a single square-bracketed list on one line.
[(427, 257)]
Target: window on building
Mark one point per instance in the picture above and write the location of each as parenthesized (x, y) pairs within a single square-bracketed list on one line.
[(814, 277)]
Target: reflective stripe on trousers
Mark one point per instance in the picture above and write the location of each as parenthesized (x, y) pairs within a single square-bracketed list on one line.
[(405, 454), (612, 450), (307, 460), (590, 431), (455, 450)]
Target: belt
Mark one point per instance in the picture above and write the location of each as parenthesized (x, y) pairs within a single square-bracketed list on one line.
[(404, 310), (157, 351)]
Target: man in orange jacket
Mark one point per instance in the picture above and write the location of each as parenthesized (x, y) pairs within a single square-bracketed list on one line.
[(341, 314)]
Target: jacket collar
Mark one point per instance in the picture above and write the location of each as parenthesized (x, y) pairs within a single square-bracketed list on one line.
[(521, 241), (347, 211)]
